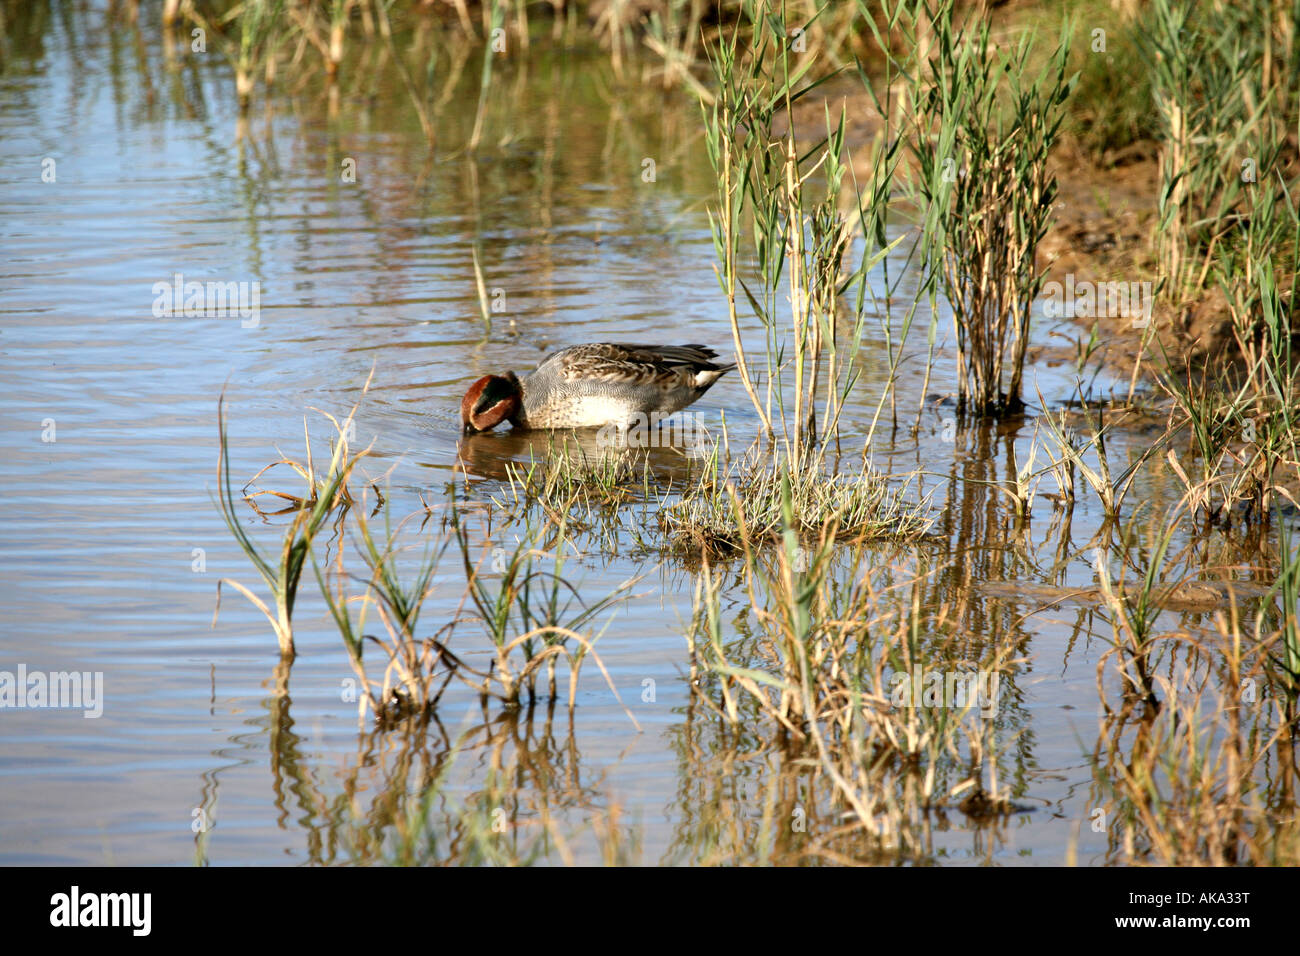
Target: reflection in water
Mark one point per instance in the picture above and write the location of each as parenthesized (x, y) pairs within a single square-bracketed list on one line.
[(848, 747), (394, 801), (750, 799), (668, 454)]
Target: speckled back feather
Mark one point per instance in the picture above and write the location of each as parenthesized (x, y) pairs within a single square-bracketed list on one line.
[(593, 385)]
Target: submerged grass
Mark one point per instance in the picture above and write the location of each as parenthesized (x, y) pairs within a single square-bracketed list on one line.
[(1202, 769), (568, 478), (1196, 761), (1286, 591), (720, 512), (398, 799), (834, 666)]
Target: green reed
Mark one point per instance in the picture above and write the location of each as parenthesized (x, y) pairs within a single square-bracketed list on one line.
[(896, 28), (1110, 489), (1133, 610), (1223, 80), (418, 666), (324, 496), (1243, 419), (984, 126), (779, 209), (532, 614)]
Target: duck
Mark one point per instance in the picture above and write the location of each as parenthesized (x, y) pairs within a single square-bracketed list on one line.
[(591, 386)]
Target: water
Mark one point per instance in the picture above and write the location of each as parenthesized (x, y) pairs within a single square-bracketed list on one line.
[(111, 544)]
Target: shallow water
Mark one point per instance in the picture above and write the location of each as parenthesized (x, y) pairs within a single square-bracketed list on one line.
[(111, 544)]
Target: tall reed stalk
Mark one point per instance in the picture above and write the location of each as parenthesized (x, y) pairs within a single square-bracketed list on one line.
[(983, 132), (785, 198), (1215, 81)]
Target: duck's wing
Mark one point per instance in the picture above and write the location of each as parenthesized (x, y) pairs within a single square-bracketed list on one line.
[(613, 362)]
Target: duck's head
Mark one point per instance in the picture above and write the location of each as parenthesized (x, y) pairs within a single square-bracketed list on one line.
[(490, 401)]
